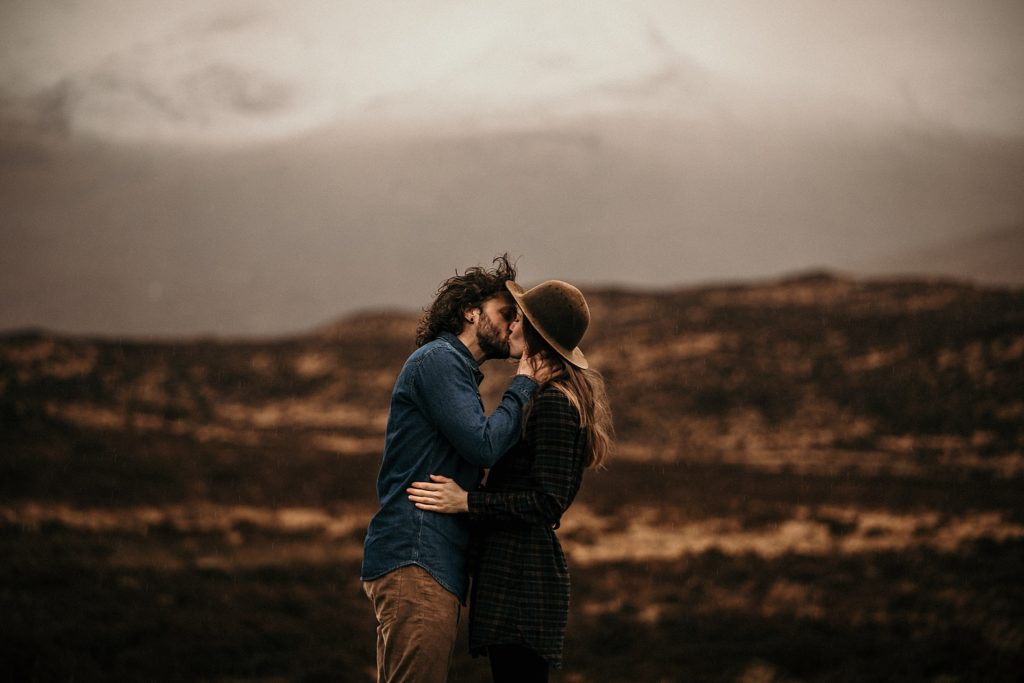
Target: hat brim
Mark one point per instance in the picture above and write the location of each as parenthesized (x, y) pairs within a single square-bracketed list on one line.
[(574, 355)]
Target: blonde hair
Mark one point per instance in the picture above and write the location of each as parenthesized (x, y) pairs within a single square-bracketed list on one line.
[(585, 390)]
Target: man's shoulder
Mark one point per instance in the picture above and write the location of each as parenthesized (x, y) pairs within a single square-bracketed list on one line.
[(439, 352), (437, 345)]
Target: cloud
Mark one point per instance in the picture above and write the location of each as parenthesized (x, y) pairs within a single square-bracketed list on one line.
[(203, 81), (231, 70), (130, 98)]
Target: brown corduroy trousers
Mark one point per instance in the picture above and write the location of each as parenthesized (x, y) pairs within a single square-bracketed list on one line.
[(417, 624)]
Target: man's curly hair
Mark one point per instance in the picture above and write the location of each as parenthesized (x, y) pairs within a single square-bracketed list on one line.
[(462, 292)]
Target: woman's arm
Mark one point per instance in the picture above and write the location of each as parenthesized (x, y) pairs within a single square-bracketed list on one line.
[(552, 438)]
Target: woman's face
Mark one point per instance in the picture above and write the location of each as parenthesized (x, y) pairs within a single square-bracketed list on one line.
[(516, 340)]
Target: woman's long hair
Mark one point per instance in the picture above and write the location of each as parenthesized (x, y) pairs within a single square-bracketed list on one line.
[(586, 392)]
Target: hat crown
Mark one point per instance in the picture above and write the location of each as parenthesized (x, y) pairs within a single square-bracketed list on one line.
[(559, 310)]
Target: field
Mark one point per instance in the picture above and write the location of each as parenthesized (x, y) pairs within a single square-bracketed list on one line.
[(817, 480)]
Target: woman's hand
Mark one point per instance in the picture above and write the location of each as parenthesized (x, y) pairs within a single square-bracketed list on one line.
[(440, 494)]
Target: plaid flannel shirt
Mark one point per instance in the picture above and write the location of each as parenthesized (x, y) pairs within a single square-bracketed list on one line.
[(520, 590)]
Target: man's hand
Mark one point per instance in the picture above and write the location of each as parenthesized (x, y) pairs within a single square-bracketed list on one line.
[(440, 494), (536, 367)]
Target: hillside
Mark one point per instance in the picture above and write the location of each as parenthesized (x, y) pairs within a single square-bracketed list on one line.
[(776, 370), (818, 479)]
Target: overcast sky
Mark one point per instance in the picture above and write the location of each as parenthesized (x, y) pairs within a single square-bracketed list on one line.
[(307, 63), (249, 151)]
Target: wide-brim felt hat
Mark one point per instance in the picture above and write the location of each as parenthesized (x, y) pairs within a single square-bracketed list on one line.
[(559, 313)]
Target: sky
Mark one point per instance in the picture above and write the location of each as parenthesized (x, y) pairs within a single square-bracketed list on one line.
[(307, 63), (257, 167)]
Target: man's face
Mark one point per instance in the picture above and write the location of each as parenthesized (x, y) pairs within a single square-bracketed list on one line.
[(493, 332)]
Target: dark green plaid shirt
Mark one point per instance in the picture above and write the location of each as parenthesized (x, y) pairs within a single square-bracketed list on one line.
[(520, 591)]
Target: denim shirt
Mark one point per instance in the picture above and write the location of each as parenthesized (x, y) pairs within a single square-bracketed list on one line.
[(437, 425)]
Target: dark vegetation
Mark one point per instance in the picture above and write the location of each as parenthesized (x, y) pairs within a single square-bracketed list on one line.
[(706, 385), (784, 346)]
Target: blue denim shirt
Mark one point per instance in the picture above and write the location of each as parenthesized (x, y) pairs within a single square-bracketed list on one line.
[(437, 425)]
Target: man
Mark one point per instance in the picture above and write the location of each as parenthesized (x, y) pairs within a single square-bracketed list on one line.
[(414, 561)]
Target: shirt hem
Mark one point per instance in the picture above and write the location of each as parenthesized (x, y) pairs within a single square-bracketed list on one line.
[(371, 576)]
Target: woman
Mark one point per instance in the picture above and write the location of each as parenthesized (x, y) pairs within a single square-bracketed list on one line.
[(520, 595)]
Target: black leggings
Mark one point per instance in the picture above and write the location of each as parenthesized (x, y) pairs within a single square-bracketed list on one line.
[(517, 664)]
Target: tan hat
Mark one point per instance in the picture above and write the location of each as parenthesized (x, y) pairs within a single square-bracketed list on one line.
[(559, 313)]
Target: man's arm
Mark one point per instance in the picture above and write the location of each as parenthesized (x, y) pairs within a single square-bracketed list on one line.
[(448, 395)]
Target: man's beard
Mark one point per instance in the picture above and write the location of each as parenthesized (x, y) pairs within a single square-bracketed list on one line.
[(489, 338)]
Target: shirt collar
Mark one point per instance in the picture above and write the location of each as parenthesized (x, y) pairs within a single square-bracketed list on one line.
[(461, 348)]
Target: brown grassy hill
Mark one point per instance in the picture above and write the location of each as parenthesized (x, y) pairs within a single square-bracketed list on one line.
[(812, 362), (818, 479)]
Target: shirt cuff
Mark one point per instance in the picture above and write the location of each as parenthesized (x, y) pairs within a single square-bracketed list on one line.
[(474, 501), (523, 387)]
